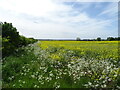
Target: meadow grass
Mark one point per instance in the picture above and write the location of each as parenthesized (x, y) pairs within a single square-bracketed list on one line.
[(63, 64)]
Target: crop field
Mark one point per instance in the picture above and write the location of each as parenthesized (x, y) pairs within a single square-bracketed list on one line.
[(64, 64), (96, 49)]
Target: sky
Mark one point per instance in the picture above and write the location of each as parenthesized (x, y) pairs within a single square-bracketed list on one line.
[(62, 19)]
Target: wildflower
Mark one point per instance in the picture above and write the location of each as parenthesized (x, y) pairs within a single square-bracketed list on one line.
[(23, 82), (35, 86), (25, 74), (51, 74), (13, 85), (33, 76), (89, 83), (109, 79), (42, 82), (58, 86), (104, 86), (20, 85), (22, 73), (12, 77)]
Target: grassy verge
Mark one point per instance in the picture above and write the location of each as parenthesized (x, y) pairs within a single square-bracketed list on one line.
[(58, 67)]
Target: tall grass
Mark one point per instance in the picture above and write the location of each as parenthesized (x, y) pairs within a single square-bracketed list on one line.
[(61, 65)]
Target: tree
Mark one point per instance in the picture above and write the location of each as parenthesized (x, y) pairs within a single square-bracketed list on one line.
[(11, 39), (10, 32), (0, 28), (110, 39), (78, 39), (119, 38), (98, 39)]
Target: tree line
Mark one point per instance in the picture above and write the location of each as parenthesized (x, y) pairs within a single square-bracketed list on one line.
[(11, 40), (99, 39)]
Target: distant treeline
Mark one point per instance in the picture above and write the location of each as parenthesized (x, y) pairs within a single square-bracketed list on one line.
[(78, 39), (99, 39), (11, 40)]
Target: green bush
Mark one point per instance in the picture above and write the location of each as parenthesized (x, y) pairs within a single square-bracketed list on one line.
[(11, 40)]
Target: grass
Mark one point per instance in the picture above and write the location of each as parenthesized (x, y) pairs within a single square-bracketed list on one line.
[(63, 64)]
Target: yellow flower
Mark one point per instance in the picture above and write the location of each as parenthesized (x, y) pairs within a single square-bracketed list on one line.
[(55, 56)]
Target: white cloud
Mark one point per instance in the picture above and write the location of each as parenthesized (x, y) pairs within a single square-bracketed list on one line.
[(32, 7), (50, 19), (87, 0), (111, 9)]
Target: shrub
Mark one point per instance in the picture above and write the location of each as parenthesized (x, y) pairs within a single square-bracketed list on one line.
[(11, 40)]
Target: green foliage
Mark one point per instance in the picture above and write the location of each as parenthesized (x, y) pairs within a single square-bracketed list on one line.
[(78, 39), (98, 39), (25, 41), (0, 45), (7, 47), (110, 39), (10, 32), (56, 67), (13, 64), (11, 39)]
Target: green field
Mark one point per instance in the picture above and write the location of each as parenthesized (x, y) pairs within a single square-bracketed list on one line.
[(63, 64)]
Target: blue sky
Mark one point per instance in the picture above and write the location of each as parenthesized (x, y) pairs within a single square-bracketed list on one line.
[(61, 20)]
